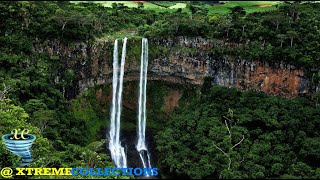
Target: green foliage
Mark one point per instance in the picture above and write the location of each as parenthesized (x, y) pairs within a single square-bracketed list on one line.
[(274, 36), (14, 117), (89, 156), (237, 12), (279, 137), (44, 155), (140, 5)]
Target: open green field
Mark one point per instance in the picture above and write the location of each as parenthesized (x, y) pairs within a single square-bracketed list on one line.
[(147, 5), (178, 5), (249, 6)]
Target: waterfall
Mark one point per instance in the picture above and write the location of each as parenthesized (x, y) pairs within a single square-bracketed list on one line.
[(141, 145), (117, 151)]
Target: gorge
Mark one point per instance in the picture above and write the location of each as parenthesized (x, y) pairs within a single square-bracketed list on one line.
[(197, 90), (180, 61)]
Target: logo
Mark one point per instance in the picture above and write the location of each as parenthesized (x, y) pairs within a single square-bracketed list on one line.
[(6, 172), (19, 143), (114, 172), (79, 172), (16, 132)]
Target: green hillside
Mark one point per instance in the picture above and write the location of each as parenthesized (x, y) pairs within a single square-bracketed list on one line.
[(223, 8)]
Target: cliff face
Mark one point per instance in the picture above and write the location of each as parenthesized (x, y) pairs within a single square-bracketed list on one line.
[(182, 60), (279, 79)]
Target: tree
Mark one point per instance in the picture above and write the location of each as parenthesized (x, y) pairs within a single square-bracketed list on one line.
[(44, 119), (140, 5), (114, 5), (63, 4), (281, 38), (294, 10), (225, 24), (229, 139), (276, 19), (33, 105), (260, 32), (243, 27), (237, 12), (118, 6), (4, 92), (243, 24), (64, 17), (192, 8), (292, 35)]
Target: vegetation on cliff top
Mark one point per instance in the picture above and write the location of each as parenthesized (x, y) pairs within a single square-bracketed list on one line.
[(287, 34)]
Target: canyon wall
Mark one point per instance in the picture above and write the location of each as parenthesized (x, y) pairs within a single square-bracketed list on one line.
[(180, 60)]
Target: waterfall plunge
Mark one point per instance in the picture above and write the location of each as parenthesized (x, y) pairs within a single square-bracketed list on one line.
[(141, 145), (117, 151)]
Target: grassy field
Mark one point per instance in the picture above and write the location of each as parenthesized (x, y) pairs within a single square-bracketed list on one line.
[(249, 6), (178, 5), (147, 5)]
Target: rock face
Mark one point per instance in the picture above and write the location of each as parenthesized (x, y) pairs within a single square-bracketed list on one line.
[(180, 60), (279, 79)]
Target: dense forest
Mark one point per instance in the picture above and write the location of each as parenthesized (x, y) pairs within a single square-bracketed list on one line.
[(225, 133), (215, 132)]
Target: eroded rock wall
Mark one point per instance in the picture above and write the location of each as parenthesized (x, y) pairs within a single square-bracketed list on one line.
[(186, 60)]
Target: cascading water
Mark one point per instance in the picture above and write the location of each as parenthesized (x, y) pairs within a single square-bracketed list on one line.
[(141, 145), (117, 151)]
